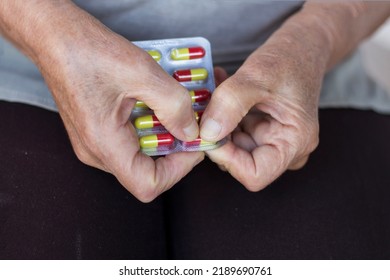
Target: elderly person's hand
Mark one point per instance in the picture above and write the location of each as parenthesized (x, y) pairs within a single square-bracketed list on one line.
[(270, 104), (96, 76)]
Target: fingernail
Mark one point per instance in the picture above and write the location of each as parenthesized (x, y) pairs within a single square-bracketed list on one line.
[(210, 129), (191, 131)]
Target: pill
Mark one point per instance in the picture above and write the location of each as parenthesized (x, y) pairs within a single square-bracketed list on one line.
[(199, 95), (187, 53), (156, 55), (198, 142), (156, 140), (150, 121), (140, 104), (190, 75), (145, 122)]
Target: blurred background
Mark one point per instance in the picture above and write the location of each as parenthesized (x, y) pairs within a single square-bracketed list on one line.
[(376, 56)]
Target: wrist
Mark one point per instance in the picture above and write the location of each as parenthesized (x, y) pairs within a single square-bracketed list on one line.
[(303, 39), (296, 53), (344, 24), (61, 32)]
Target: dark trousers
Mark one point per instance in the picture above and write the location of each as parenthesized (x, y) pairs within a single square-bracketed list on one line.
[(54, 207)]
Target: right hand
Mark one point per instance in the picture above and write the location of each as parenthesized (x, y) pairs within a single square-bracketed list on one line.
[(95, 77)]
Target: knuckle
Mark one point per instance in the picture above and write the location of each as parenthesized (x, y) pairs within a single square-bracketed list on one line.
[(298, 164), (286, 151), (179, 103), (145, 191), (252, 186), (145, 194), (301, 152), (314, 143), (178, 113), (227, 96), (307, 139), (260, 179), (311, 142), (83, 155)]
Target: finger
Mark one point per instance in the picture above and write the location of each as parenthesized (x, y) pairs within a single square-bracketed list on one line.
[(138, 173), (146, 178), (220, 75), (229, 103), (266, 130), (254, 170), (222, 168), (170, 101), (244, 141), (299, 163), (262, 130)]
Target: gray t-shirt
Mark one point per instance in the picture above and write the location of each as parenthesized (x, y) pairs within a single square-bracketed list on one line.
[(234, 27)]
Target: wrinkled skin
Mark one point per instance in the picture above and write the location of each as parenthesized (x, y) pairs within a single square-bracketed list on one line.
[(95, 77), (268, 108), (273, 99)]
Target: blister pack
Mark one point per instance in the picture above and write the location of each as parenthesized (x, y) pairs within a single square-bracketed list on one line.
[(189, 61)]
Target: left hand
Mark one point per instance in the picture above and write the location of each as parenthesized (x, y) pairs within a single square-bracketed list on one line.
[(270, 108)]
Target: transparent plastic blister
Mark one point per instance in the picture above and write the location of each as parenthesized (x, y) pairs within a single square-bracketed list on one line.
[(189, 61)]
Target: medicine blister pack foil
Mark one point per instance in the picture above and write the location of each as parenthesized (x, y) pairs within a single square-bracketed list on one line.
[(189, 61)]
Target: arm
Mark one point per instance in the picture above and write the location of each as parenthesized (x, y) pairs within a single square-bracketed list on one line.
[(95, 76), (344, 24), (279, 85)]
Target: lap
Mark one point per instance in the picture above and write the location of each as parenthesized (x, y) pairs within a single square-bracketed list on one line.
[(336, 207), (54, 207)]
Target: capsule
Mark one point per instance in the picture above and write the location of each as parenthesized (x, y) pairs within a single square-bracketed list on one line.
[(199, 142), (197, 96), (190, 75), (156, 55), (146, 122), (200, 95), (187, 53), (151, 121), (140, 104), (156, 141)]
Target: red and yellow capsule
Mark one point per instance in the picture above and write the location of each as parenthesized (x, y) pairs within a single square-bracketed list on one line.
[(145, 122), (156, 141), (191, 75), (199, 142), (150, 121), (156, 55), (187, 53), (140, 104), (197, 96), (200, 95)]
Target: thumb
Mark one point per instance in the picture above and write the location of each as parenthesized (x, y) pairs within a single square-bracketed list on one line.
[(229, 103), (171, 103)]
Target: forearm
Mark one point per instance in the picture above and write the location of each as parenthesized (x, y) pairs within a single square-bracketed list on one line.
[(343, 25), (42, 28), (322, 34)]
